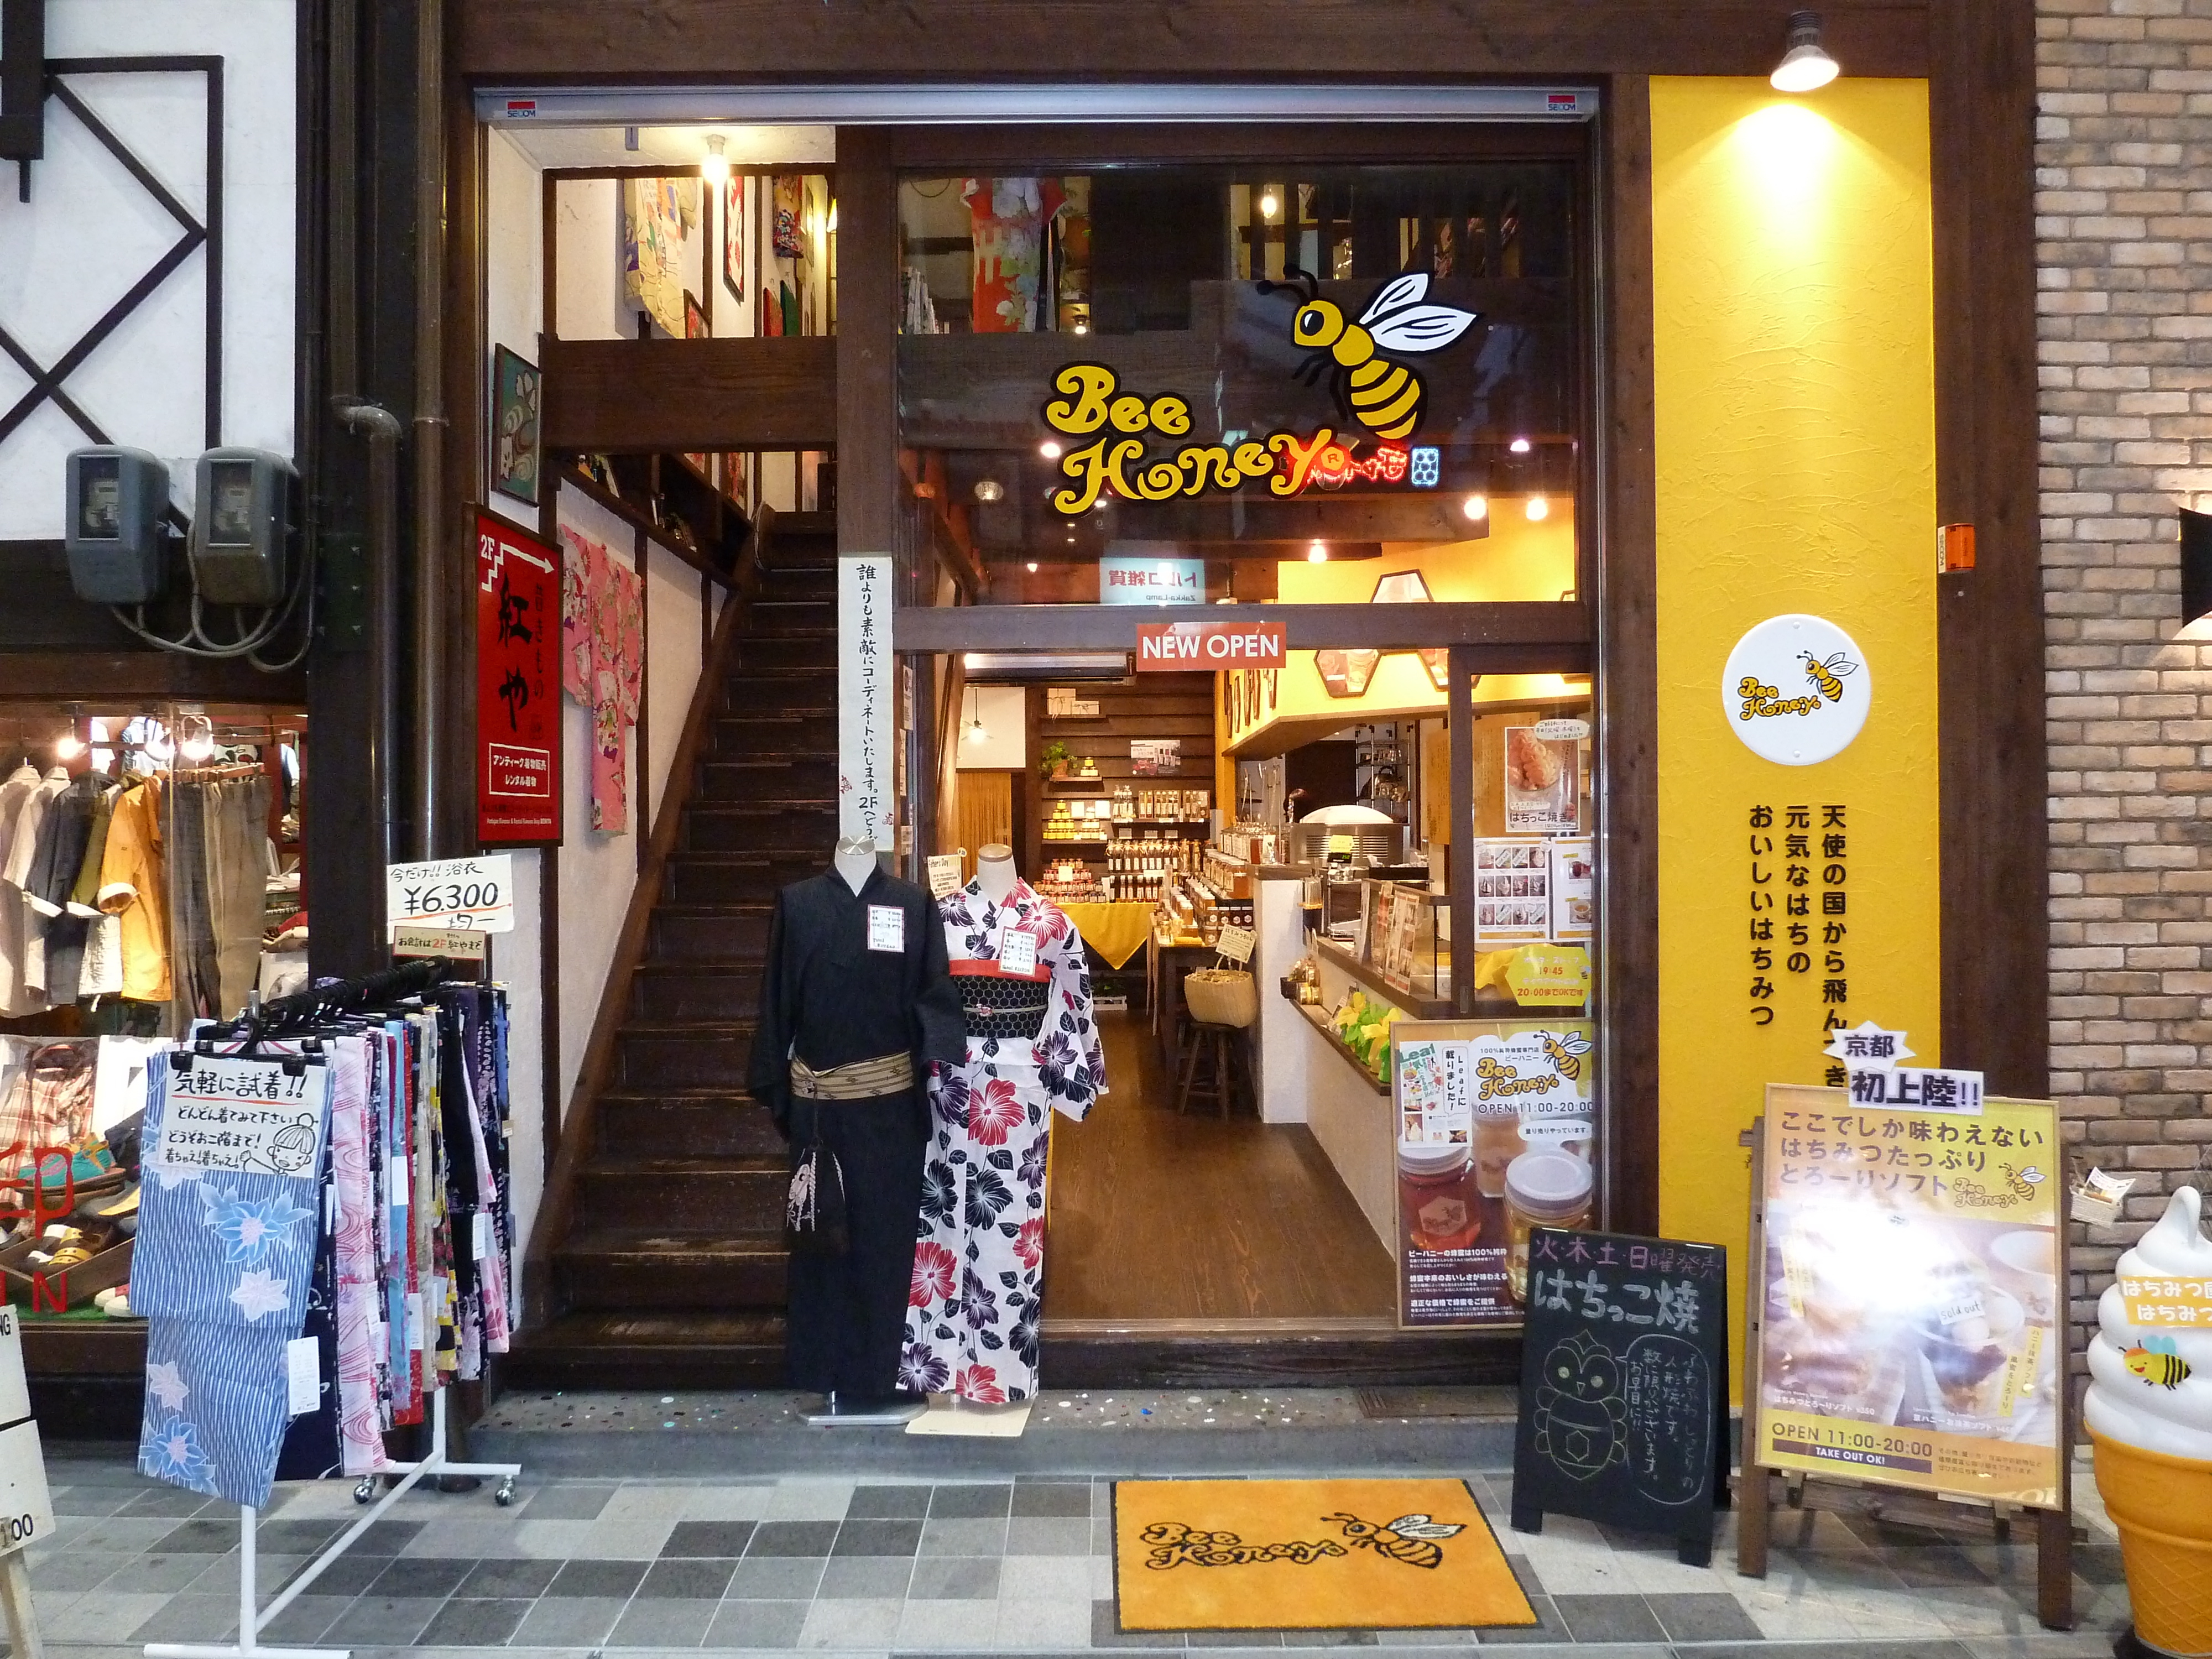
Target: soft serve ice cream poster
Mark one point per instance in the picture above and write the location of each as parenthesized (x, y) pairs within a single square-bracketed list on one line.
[(1914, 1329)]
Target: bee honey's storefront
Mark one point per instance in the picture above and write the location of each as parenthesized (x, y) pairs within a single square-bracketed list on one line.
[(1564, 716)]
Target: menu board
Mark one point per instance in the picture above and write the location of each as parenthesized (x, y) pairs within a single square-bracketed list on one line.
[(1512, 888), (1497, 1133), (1623, 1386), (1912, 1332)]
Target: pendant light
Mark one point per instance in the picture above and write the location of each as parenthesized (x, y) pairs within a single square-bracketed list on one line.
[(1805, 65)]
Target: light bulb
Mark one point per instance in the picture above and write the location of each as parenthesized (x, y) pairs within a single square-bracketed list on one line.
[(1318, 554), (67, 746), (714, 167), (1269, 205), (1805, 65), (988, 490), (1539, 507), (1049, 450), (1476, 507), (1032, 567), (1519, 446)]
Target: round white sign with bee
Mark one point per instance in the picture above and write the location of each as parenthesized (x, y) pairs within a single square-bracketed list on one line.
[(1796, 691)]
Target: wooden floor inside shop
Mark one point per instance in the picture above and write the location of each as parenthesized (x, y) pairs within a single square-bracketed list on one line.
[(1160, 1217)]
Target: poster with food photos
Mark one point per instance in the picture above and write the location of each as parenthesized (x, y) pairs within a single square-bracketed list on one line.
[(1573, 888), (1543, 781), (1512, 888)]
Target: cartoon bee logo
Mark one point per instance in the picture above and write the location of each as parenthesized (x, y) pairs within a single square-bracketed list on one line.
[(2023, 1182), (1829, 676), (1379, 393), (2154, 1360), (1566, 1049), (1412, 1539)]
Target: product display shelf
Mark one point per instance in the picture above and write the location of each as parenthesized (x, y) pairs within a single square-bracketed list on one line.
[(1414, 1007), (1317, 1017)]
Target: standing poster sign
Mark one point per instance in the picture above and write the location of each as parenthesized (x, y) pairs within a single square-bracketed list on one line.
[(518, 686), (867, 801), (1913, 1332)]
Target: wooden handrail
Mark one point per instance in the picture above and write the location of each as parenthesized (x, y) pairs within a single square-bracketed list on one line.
[(556, 1207)]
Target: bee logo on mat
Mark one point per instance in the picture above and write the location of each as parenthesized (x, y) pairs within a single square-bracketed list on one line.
[(1371, 388), (1412, 1539), (1829, 676), (1565, 1049), (2154, 1360)]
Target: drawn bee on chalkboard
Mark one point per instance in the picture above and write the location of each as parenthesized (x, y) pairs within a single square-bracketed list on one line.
[(1581, 1420), (1384, 396), (1412, 1539), (2153, 1359)]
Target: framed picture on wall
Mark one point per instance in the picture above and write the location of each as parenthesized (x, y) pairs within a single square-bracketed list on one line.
[(733, 235), (514, 406)]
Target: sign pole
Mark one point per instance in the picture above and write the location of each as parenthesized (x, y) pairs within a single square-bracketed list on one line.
[(1754, 1486), (22, 1617)]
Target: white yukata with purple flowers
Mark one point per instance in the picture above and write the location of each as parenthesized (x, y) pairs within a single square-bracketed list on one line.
[(971, 1326)]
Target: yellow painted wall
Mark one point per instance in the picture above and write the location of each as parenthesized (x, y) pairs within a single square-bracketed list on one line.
[(1794, 365)]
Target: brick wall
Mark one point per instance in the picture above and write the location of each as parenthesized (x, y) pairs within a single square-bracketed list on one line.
[(2124, 201)]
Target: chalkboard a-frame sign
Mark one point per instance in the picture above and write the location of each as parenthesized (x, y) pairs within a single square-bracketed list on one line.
[(1623, 1386)]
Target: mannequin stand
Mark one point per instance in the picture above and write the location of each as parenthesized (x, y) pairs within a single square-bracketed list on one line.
[(853, 1413)]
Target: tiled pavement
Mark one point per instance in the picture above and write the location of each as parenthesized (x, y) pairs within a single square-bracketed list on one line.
[(624, 1567)]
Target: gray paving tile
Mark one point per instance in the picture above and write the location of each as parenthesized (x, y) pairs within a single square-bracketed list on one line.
[(382, 1621), (965, 1537), (69, 1570), (1249, 1639), (567, 1501), (776, 1578), (1106, 1631), (970, 1501), (86, 1501), (138, 1574), (1929, 1648), (349, 1575), (493, 1580), (756, 1623), (190, 1618), (172, 1501), (1548, 1627), (955, 1578), (305, 1619), (594, 1579), (580, 1621), (411, 1577), (900, 1503), (1047, 1536), (1330, 1638), (1609, 1619), (671, 1623), (692, 1578), (385, 1537), (302, 1537), (792, 1538), (485, 1623), (878, 1537), (2099, 1564), (714, 1540), (865, 1577), (1053, 1498), (1702, 1617), (202, 1537), (1928, 1564)]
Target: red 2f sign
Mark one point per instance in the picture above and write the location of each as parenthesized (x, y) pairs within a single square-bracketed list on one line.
[(1196, 645), (518, 686)]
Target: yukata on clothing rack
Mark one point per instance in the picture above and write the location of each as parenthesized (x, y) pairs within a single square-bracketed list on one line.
[(1033, 1048)]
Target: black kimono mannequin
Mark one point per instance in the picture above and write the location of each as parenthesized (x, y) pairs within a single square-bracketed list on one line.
[(855, 977)]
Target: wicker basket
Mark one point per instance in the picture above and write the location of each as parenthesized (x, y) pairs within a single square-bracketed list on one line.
[(1221, 996)]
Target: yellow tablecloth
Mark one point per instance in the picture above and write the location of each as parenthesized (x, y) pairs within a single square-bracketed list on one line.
[(1117, 931)]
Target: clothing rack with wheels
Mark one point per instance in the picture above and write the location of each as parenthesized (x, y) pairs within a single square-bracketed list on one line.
[(326, 1250)]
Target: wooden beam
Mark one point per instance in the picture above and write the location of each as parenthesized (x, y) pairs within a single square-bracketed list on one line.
[(672, 40), (84, 677), (1990, 621), (1459, 848), (1628, 688), (667, 397), (1523, 637), (871, 494)]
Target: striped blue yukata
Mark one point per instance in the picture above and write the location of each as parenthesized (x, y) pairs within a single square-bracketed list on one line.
[(221, 1272)]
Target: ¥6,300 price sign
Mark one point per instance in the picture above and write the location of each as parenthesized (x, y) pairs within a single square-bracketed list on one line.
[(469, 896)]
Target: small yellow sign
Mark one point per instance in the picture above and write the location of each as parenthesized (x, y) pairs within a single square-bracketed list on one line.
[(1549, 975), (457, 944)]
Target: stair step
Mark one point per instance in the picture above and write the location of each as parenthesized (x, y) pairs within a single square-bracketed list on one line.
[(687, 1123), (688, 1194), (725, 932), (737, 735), (622, 1350), (711, 988), (768, 777), (643, 1268), (791, 828), (780, 691), (695, 878), (812, 585), (815, 652), (692, 1055), (783, 616)]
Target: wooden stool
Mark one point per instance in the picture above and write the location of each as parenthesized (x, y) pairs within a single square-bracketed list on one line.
[(1213, 1065)]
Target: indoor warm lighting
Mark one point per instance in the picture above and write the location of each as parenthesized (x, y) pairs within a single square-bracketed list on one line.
[(1049, 450), (1539, 507), (1032, 567), (1318, 554), (1476, 507), (833, 218), (975, 732), (1082, 328), (1519, 446), (1269, 205), (1806, 65), (715, 168), (69, 745), (988, 490)]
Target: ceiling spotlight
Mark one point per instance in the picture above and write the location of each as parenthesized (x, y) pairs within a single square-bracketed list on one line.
[(1318, 554), (1032, 567), (1519, 446), (988, 490), (1269, 205), (1049, 450), (69, 745), (1539, 509), (1082, 328), (1476, 507), (714, 167), (1806, 65)]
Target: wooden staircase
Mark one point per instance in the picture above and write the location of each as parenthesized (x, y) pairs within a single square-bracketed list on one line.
[(657, 1260)]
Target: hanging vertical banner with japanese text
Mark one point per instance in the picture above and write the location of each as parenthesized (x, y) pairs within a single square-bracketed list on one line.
[(866, 802), (518, 686)]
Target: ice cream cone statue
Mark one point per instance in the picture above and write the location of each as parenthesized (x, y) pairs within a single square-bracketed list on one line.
[(2149, 1410)]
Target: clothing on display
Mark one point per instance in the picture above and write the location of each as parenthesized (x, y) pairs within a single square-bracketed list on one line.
[(853, 978), (1009, 218), (603, 666), (1030, 1047)]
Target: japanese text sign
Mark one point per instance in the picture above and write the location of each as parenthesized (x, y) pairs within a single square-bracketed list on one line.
[(518, 686), (1124, 579), (2167, 1301), (866, 799), (1911, 1333), (473, 895), (235, 1115)]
